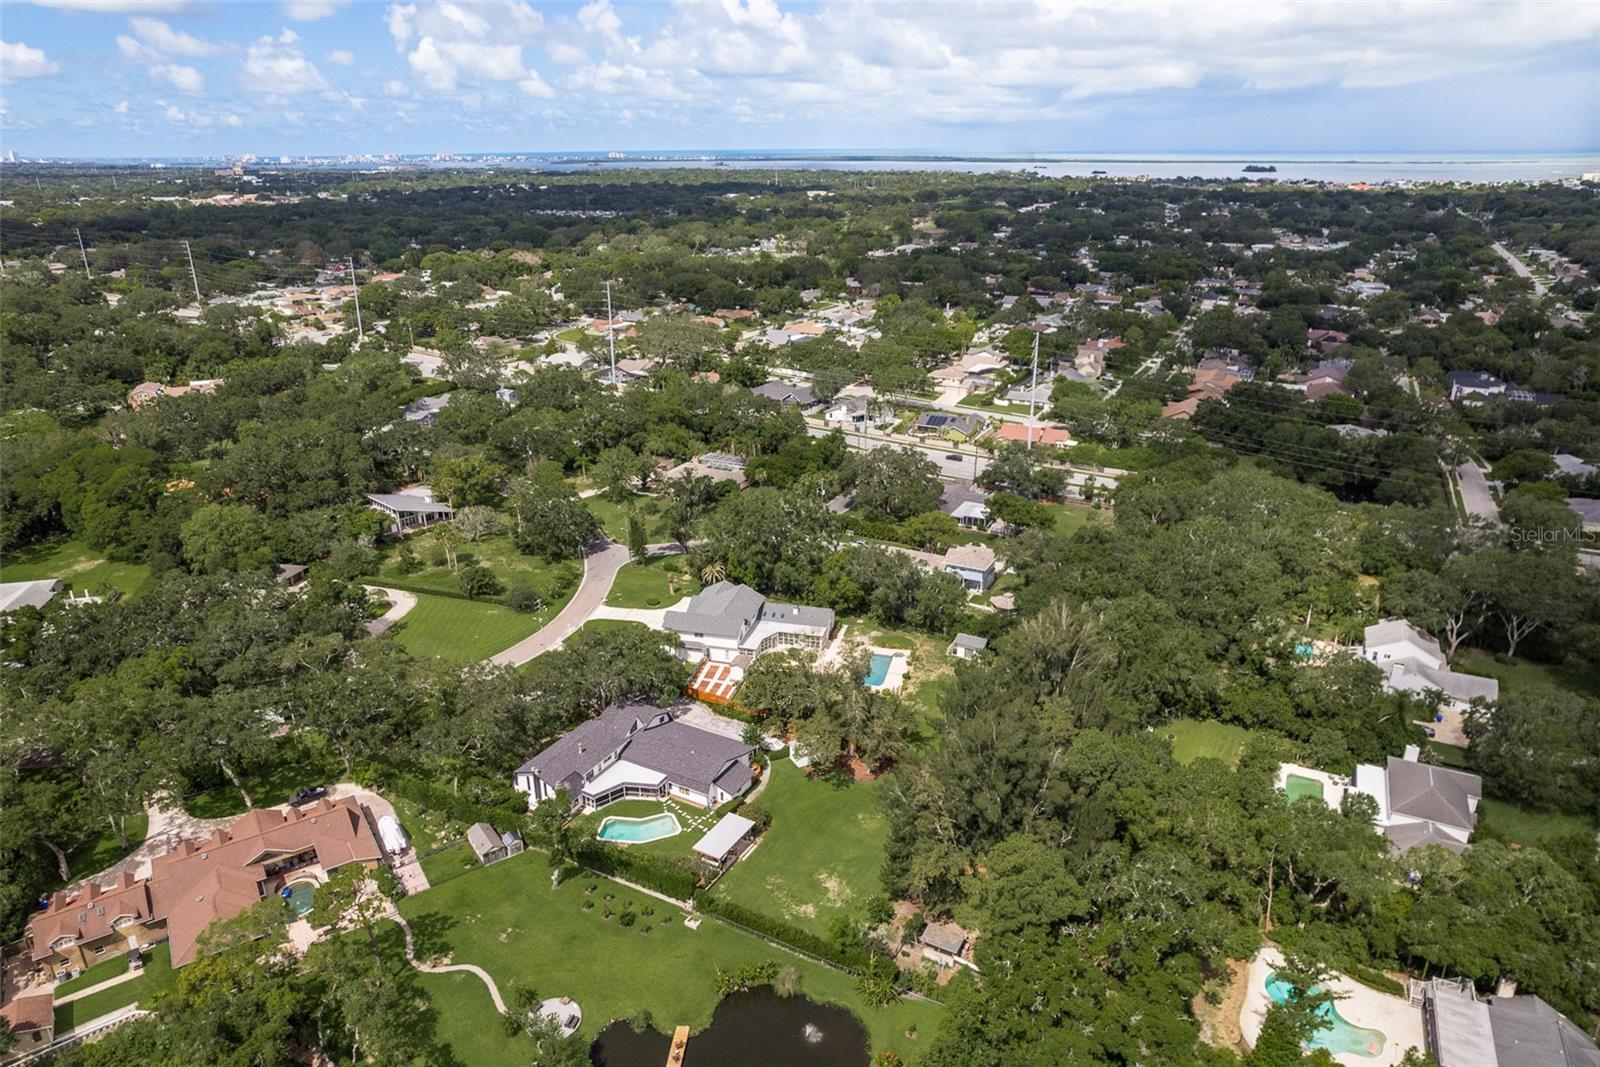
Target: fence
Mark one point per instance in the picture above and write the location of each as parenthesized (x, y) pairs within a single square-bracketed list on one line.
[(81, 1034)]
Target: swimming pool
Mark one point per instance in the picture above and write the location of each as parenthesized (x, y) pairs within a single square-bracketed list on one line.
[(1341, 1037), (299, 897), (878, 669), (1296, 786), (638, 831)]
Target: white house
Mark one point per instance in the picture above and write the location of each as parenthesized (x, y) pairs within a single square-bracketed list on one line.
[(858, 413), (35, 594), (411, 508), (640, 751), (1419, 804), (1473, 385), (973, 564), (727, 622), (1412, 662)]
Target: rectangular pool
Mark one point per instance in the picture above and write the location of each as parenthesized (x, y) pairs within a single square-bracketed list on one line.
[(878, 669), (1296, 786)]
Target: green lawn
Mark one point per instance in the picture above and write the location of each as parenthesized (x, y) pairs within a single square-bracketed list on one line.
[(463, 631), (555, 582), (508, 920), (822, 855), (103, 849), (100, 972), (600, 626), (158, 977), (930, 673), (1192, 739), (1505, 821), (82, 568), (613, 516), (1524, 674), (449, 863), (659, 583), (693, 821), (291, 767), (1070, 518)]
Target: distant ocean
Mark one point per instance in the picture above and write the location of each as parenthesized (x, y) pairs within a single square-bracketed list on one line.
[(1374, 167)]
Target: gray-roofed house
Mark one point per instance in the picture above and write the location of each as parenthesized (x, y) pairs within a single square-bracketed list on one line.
[(973, 564), (947, 425), (637, 751), (410, 509), (727, 621), (1588, 511), (34, 594), (425, 411), (1463, 1030), (1412, 662), (786, 394), (965, 503), (967, 646), (859, 413), (1572, 466), (1420, 804)]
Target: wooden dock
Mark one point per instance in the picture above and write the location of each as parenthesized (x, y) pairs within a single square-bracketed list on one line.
[(680, 1042)]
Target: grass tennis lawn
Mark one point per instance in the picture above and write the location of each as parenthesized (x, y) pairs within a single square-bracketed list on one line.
[(507, 919), (464, 631), (81, 568), (659, 583), (822, 855), (158, 977)]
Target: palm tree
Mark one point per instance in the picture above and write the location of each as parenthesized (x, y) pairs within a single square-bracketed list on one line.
[(713, 572)]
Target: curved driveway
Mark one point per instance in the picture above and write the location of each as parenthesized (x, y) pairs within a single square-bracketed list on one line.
[(599, 571)]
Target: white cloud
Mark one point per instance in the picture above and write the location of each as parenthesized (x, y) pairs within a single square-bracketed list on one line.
[(232, 120), (395, 87), (311, 10), (18, 61), (341, 57), (121, 108), (276, 65), (450, 46), (165, 40), (179, 76), (116, 7)]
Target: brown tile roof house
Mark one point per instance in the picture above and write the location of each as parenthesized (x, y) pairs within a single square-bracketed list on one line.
[(194, 885), (76, 920), (31, 1019)]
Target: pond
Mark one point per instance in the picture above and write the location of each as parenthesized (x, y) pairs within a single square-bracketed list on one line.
[(754, 1027)]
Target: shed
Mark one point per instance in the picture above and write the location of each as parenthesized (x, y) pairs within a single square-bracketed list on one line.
[(944, 939), (485, 842), (724, 842), (967, 646)]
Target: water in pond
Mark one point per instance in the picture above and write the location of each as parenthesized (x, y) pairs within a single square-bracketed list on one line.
[(758, 1027), (878, 669)]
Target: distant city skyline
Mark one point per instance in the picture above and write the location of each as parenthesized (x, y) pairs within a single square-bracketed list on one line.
[(121, 78)]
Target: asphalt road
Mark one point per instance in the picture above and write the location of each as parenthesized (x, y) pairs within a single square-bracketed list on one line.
[(599, 571), (1475, 494), (964, 467)]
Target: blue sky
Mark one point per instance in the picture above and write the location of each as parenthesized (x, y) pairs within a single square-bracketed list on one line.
[(180, 77)]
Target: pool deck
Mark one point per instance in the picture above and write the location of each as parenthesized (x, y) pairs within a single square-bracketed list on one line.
[(1333, 788), (1400, 1022), (599, 833)]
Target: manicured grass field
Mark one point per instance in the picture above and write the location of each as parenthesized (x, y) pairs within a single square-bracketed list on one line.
[(1192, 739), (158, 977), (449, 863), (822, 855), (1070, 518), (553, 581), (600, 626), (1510, 822), (657, 584), (100, 972), (463, 631), (1524, 674), (508, 920), (83, 569)]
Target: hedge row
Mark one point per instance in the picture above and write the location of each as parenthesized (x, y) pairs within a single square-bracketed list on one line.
[(651, 872), (432, 797), (428, 590), (780, 931)]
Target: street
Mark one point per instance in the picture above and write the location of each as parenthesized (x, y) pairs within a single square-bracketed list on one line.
[(1475, 494)]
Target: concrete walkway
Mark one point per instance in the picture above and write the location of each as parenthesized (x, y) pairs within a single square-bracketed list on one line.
[(400, 603), (126, 976), (599, 571), (447, 968)]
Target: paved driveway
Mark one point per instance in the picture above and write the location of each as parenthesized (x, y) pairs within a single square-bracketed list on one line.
[(1475, 494), (599, 571)]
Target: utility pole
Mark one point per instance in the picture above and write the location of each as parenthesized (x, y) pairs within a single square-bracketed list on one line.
[(611, 334), (359, 330), (83, 252), (198, 299)]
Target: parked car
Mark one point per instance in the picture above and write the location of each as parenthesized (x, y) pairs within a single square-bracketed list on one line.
[(953, 456), (306, 796)]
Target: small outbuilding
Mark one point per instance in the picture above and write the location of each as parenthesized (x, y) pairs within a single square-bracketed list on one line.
[(492, 846), (725, 842), (944, 944), (967, 646)]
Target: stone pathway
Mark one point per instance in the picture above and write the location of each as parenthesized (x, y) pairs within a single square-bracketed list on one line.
[(400, 604), (446, 968), (126, 976)]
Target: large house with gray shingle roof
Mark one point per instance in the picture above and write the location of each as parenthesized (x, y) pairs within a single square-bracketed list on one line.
[(637, 751), (1420, 804), (727, 622)]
